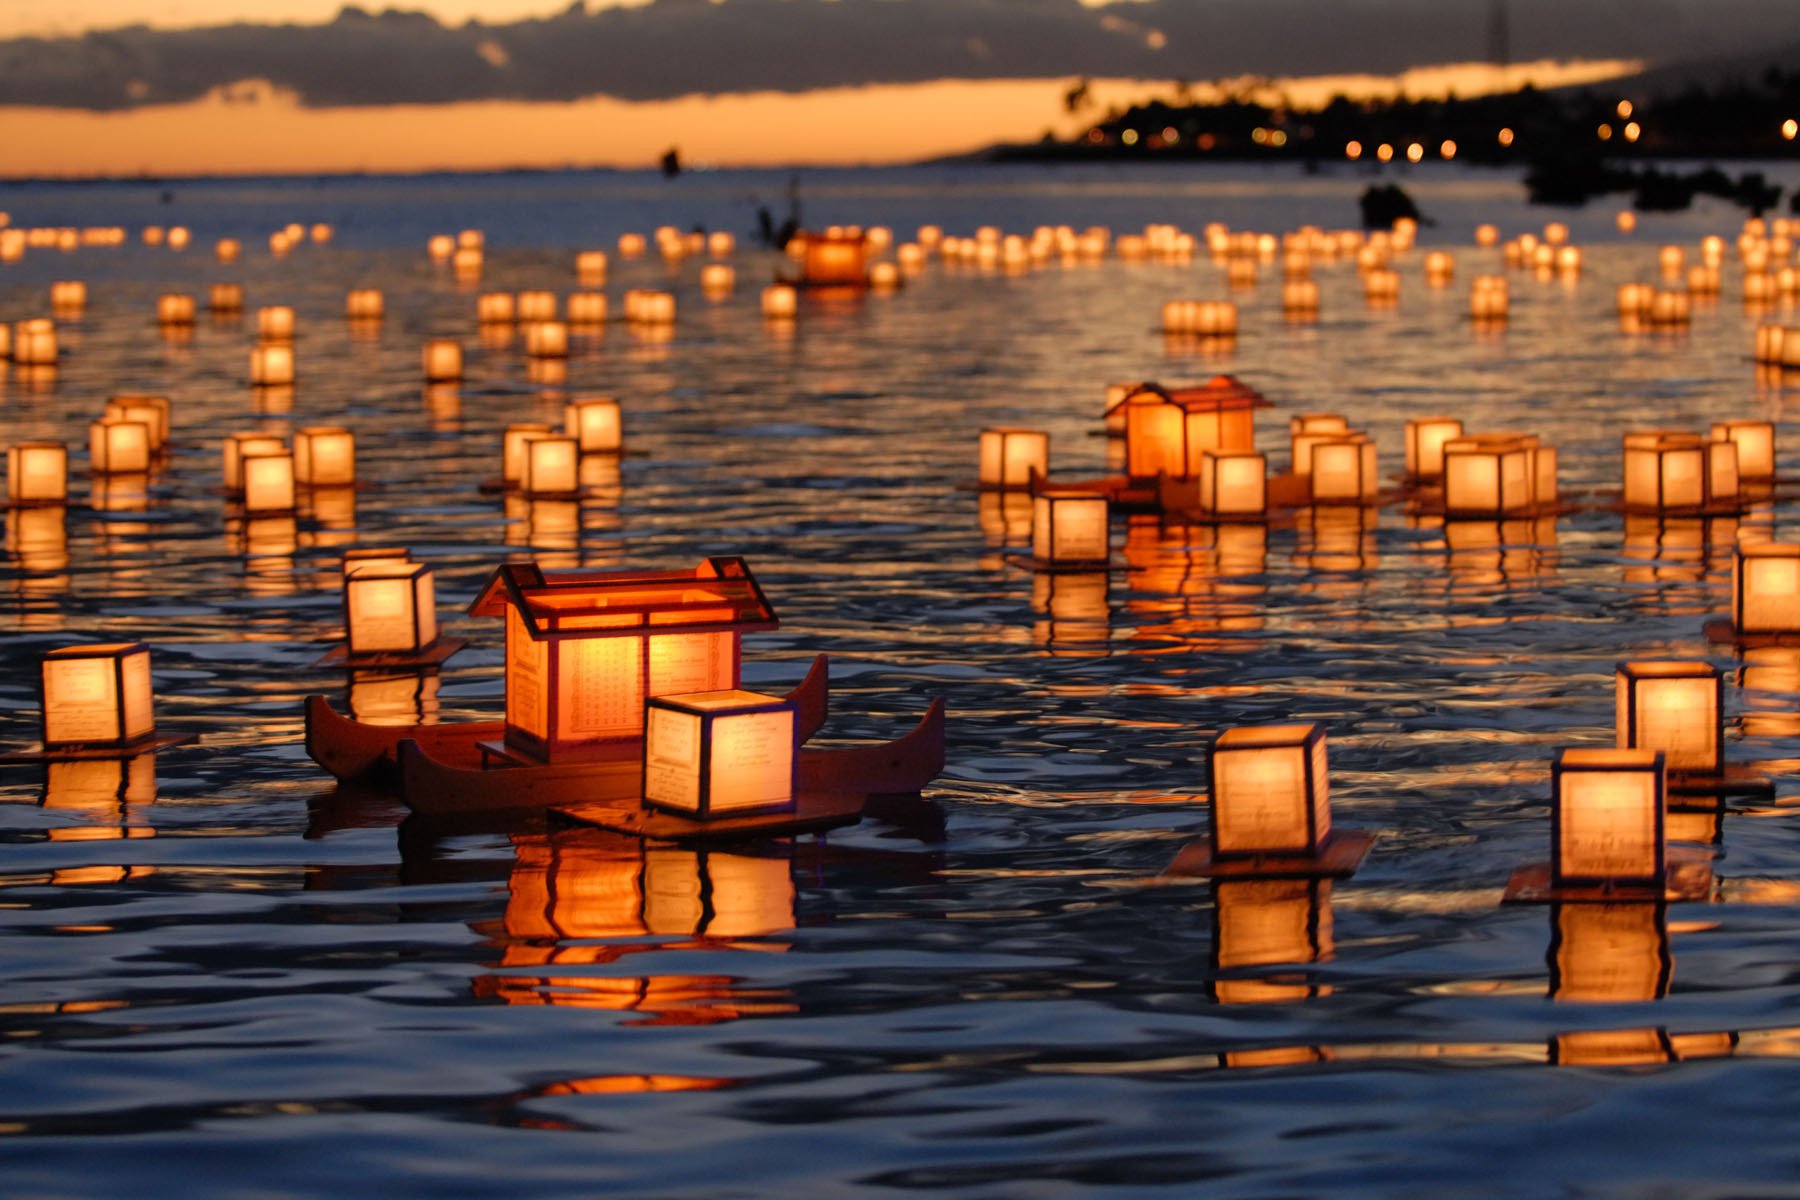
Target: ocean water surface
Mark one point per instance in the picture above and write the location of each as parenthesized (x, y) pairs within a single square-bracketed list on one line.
[(227, 976)]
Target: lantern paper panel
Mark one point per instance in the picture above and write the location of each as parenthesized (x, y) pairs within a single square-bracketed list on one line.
[(1233, 483), (151, 410), (37, 472), (1755, 441), (97, 695), (552, 466), (1674, 707), (324, 456), (390, 608), (1665, 470), (1425, 439), (596, 424), (722, 753), (1766, 587), (268, 482), (119, 447), (1009, 457), (1155, 436), (1070, 528), (1270, 793), (1607, 816), (515, 445), (1490, 475), (238, 447), (1343, 470), (442, 359)]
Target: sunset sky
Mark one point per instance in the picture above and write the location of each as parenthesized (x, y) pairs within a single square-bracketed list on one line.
[(221, 86)]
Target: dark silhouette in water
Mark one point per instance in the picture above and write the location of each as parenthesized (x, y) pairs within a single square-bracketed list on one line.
[(1384, 204), (779, 236), (671, 163)]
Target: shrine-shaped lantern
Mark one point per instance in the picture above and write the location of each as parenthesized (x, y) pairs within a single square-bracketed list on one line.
[(97, 697), (726, 753), (1606, 817), (1165, 430), (1673, 707), (586, 649)]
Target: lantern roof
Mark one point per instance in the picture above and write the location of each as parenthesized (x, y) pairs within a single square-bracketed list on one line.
[(1219, 392), (717, 595)]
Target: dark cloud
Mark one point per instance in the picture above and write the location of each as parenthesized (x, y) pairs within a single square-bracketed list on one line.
[(677, 47)]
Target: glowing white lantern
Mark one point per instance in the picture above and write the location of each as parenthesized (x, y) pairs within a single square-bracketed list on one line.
[(1070, 528), (720, 754), (1270, 791), (1606, 820), (1676, 708), (1010, 457), (324, 456), (97, 696), (389, 608), (1766, 587), (1232, 483)]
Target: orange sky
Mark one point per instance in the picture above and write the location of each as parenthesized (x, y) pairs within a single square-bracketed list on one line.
[(889, 123)]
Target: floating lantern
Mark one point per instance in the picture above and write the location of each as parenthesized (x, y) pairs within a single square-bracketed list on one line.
[(1166, 430), (268, 481), (1300, 297), (365, 304), (1232, 483), (175, 308), (443, 360), (590, 267), (1343, 469), (536, 306), (1487, 235), (1755, 442), (1270, 793), (389, 608), (37, 473), (834, 260), (496, 308), (1636, 300), (275, 323), (586, 308), (272, 365), (552, 466), (119, 447), (320, 233), (720, 754), (97, 697), (631, 245), (1675, 708), (225, 298), (1440, 268), (227, 249), (1070, 528), (585, 649), (324, 456), (547, 339), (1011, 458), (1488, 299), (466, 263), (1425, 440), (239, 446), (596, 424), (1670, 308), (1381, 286), (884, 277), (514, 449), (779, 300), (1671, 471), (1496, 475), (68, 297), (717, 279), (1766, 588), (34, 343), (1606, 819), (1766, 347), (153, 411)]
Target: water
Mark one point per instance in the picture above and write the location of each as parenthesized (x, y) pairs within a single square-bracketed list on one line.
[(234, 979)]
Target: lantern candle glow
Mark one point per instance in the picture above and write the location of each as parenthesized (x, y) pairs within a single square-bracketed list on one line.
[(119, 447), (1672, 707), (1233, 483), (37, 473), (1270, 792), (596, 424), (1766, 588), (97, 696), (1606, 822), (389, 608), (324, 456), (1009, 458), (720, 754), (1070, 528)]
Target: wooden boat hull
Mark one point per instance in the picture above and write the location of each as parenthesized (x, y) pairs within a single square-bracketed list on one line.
[(352, 750)]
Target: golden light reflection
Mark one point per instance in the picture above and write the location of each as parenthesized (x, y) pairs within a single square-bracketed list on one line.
[(1260, 924), (1077, 612), (104, 799)]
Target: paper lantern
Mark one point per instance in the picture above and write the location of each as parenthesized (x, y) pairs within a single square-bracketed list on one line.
[(779, 300), (119, 447), (272, 364), (1344, 470), (1270, 793), (717, 279), (495, 308), (552, 466), (720, 754), (1488, 298), (37, 473), (838, 260), (1606, 819), (1269, 923), (97, 696), (1070, 528), (1009, 458), (1166, 430), (443, 360), (586, 309), (1755, 442), (34, 343), (389, 608), (547, 339), (1425, 439), (590, 267), (631, 245), (1670, 308), (1232, 483), (68, 297), (584, 649), (514, 445), (225, 298), (1440, 268), (153, 411), (1306, 430), (365, 304), (275, 323), (1300, 297), (175, 308), (1381, 286), (1766, 587), (1490, 475), (536, 306), (238, 446), (324, 456), (596, 424), (1665, 471), (466, 264), (268, 482), (1673, 707), (1609, 954), (227, 249), (357, 557)]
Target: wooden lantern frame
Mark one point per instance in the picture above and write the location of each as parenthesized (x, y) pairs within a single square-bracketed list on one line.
[(1585, 760), (694, 775)]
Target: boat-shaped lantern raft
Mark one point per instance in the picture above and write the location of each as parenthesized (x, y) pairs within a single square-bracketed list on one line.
[(585, 653)]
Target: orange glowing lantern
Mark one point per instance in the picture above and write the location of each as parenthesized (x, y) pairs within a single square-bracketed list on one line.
[(779, 300), (590, 267), (547, 339), (1425, 441), (536, 306), (1343, 470), (34, 343), (1755, 442), (717, 279), (1307, 429), (225, 298), (272, 364), (268, 481), (324, 456), (227, 249), (1491, 475), (1070, 528), (151, 410), (496, 308), (1270, 793), (117, 447), (97, 697), (1665, 471), (514, 449), (1675, 708), (1440, 268), (596, 424), (1606, 823), (443, 360), (68, 297), (365, 304), (175, 308), (720, 754), (552, 467), (1766, 588), (239, 446), (1165, 431), (834, 260), (1009, 458), (1232, 483), (1635, 300), (275, 323), (585, 649), (37, 473), (1300, 297), (389, 608), (1488, 300), (586, 309), (1766, 346)]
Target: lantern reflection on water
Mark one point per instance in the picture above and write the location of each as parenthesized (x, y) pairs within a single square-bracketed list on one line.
[(96, 697), (102, 799), (1675, 708), (1610, 954), (1606, 817), (585, 649), (1259, 924), (1076, 612), (720, 754)]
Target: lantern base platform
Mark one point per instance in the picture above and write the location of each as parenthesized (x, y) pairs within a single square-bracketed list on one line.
[(1422, 507), (1122, 491), (99, 753), (813, 812), (1687, 875), (1721, 631), (1338, 858), (9, 505), (430, 656), (1615, 503), (1064, 568), (1705, 790)]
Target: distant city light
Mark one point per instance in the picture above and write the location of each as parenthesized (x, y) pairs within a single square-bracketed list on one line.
[(1447, 150), (1506, 137), (1353, 151)]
